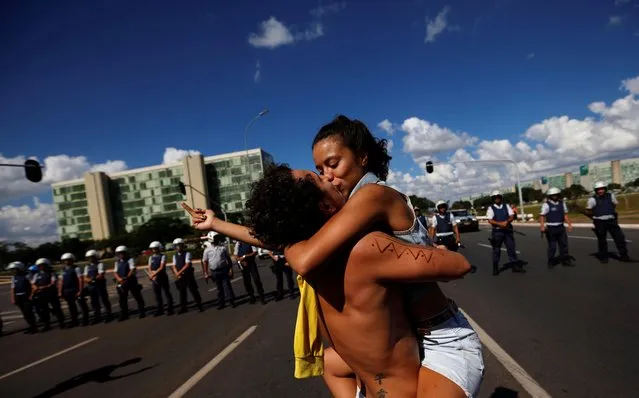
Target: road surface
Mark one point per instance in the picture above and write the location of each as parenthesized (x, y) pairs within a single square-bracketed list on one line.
[(563, 332)]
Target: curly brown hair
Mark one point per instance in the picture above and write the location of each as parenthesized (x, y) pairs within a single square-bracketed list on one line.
[(282, 209)]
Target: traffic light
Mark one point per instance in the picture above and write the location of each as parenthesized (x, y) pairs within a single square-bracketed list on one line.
[(429, 167), (32, 170)]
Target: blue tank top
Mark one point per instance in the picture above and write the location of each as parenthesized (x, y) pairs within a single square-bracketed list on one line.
[(417, 234)]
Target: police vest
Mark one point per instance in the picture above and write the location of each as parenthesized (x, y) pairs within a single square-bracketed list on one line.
[(43, 278), (444, 225), (156, 261), (92, 271), (500, 214), (69, 279), (556, 213), (245, 249), (603, 206), (21, 285), (180, 260), (123, 268)]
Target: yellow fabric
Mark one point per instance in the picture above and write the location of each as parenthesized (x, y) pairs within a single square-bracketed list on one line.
[(307, 343)]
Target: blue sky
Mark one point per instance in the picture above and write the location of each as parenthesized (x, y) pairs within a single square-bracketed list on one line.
[(122, 81)]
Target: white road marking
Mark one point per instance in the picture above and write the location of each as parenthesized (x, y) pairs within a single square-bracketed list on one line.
[(490, 247), (232, 280), (190, 383), (592, 238), (11, 317), (527, 382), (4, 376), (9, 312), (8, 323)]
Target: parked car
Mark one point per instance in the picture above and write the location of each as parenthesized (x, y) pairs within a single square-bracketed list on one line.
[(465, 220), (262, 253)]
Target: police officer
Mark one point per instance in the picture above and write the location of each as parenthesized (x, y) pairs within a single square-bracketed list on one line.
[(45, 294), (443, 228), (95, 280), (185, 276), (552, 217), (71, 288), (602, 209), (245, 256), (281, 268), (20, 294), (217, 264), (501, 216), (124, 274), (159, 278), (420, 217)]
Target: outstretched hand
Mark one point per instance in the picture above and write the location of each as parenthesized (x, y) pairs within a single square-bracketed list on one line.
[(203, 220)]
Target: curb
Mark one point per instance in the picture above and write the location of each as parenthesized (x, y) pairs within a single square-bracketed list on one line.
[(578, 225)]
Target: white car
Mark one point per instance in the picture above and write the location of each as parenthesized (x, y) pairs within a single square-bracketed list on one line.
[(262, 253), (465, 220)]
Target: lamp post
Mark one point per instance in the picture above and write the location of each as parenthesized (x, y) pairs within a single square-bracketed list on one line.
[(183, 186), (508, 161), (263, 112)]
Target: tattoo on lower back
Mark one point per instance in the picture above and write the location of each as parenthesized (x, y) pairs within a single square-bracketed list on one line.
[(387, 246)]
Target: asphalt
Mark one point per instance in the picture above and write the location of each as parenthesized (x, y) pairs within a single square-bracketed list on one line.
[(570, 329)]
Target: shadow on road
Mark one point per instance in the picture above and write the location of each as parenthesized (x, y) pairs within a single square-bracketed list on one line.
[(503, 392), (100, 375)]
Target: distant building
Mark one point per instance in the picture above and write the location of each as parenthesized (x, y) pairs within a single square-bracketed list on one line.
[(99, 206)]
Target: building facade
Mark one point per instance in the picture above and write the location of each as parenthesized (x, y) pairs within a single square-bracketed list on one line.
[(99, 206)]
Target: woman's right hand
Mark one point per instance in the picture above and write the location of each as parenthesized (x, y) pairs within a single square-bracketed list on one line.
[(203, 220)]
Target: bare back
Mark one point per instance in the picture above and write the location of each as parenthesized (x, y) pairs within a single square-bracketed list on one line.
[(368, 327)]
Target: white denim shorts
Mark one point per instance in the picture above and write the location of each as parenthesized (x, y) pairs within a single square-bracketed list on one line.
[(453, 350)]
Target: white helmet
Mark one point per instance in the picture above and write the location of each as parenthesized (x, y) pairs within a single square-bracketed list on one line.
[(155, 245), (211, 235), (16, 265), (67, 256), (207, 244), (495, 193), (91, 253), (600, 184), (553, 191), (43, 261), (178, 241), (441, 202), (121, 249)]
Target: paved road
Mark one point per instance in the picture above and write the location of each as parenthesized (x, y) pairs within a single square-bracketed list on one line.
[(568, 328)]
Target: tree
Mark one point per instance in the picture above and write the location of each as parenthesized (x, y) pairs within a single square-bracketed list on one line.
[(574, 192), (613, 186), (422, 203), (465, 204), (163, 229)]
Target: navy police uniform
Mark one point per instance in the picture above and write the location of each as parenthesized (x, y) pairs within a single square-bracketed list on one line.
[(501, 236), (22, 291), (604, 216), (48, 297), (187, 280), (281, 270), (73, 295), (219, 262), (248, 267), (554, 213), (444, 230), (161, 284), (97, 289), (129, 284)]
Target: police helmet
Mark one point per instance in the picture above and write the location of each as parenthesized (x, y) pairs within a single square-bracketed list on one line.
[(211, 235), (599, 185), (43, 261), (33, 268), (553, 191), (441, 203), (495, 193), (155, 245), (16, 265), (207, 244), (178, 241), (67, 256), (121, 249), (91, 253)]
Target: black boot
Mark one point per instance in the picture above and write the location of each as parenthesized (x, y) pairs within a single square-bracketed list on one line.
[(495, 270)]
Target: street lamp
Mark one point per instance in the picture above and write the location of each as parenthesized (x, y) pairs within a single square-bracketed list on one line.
[(263, 112), (429, 169), (183, 186)]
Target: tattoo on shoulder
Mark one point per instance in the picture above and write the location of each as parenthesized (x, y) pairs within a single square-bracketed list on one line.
[(381, 393), (388, 246), (379, 377)]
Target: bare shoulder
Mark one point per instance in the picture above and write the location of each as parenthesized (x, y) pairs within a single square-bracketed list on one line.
[(375, 191), (378, 243)]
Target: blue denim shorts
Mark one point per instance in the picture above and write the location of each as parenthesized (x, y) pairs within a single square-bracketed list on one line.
[(453, 350)]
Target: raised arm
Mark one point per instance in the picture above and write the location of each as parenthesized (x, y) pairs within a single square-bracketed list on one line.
[(369, 206), (387, 259), (205, 220)]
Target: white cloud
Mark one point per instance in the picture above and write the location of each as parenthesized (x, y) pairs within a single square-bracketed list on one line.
[(174, 155), (530, 56), (274, 33), (13, 183), (615, 20), (631, 85), (554, 145), (258, 73), (424, 139), (328, 9), (389, 145), (31, 225), (436, 26), (386, 126)]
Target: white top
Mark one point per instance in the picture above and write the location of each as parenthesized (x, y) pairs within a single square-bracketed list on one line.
[(216, 257), (187, 258), (100, 269), (545, 209), (433, 221), (490, 214), (131, 265), (236, 250), (592, 202)]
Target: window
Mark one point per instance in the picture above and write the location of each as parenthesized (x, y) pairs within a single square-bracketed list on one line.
[(84, 227), (78, 196), (170, 207), (83, 220), (142, 185), (131, 179), (136, 195), (79, 212)]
